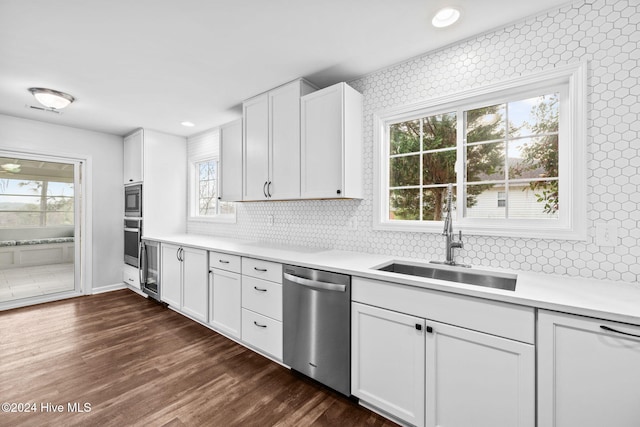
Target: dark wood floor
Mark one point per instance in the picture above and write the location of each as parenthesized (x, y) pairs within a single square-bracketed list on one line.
[(137, 363)]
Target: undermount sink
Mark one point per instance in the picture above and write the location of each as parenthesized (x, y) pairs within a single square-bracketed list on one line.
[(454, 274)]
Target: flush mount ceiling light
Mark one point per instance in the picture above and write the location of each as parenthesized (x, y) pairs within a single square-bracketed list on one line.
[(445, 17), (51, 98), (188, 124), (11, 167)]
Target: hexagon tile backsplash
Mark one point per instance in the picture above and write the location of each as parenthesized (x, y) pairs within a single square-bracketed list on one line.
[(606, 34)]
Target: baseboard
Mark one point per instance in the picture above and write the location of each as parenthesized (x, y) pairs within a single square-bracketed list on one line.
[(108, 288)]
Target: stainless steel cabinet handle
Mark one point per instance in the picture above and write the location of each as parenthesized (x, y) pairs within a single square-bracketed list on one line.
[(259, 325), (133, 230), (315, 283), (260, 269), (259, 289), (606, 328), (222, 261), (142, 261)]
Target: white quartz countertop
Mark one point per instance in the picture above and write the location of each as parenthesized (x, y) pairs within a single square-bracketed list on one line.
[(618, 301)]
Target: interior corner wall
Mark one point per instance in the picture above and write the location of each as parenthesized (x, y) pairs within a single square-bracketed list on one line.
[(107, 191)]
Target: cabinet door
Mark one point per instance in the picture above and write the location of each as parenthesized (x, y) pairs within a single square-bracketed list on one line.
[(231, 162), (387, 361), (133, 146), (224, 303), (587, 376), (284, 165), (195, 274), (322, 143), (476, 379), (170, 275), (256, 147)]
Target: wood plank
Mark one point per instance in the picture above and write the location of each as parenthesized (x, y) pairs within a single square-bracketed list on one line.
[(138, 363)]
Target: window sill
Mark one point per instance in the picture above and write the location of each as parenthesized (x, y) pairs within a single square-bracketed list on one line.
[(219, 219)]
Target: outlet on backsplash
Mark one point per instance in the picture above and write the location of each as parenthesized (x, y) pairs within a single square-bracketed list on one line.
[(606, 234)]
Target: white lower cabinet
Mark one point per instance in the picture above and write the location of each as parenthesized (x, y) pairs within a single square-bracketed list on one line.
[(477, 379), (262, 306), (588, 372), (224, 304), (431, 373), (184, 278), (387, 361)]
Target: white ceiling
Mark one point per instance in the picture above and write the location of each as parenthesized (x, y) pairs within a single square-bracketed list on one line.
[(156, 63)]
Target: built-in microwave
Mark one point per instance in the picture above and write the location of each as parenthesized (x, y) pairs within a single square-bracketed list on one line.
[(133, 201)]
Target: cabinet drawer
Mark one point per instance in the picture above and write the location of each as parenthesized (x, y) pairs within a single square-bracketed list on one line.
[(506, 320), (262, 332), (224, 261), (266, 270), (262, 297), (130, 276)]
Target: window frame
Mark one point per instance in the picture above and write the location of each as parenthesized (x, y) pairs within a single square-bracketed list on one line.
[(194, 181), (572, 223)]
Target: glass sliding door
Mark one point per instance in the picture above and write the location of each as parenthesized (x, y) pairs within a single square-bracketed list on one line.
[(40, 220)]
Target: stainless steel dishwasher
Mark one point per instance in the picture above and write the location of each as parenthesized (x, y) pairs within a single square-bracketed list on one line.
[(317, 325)]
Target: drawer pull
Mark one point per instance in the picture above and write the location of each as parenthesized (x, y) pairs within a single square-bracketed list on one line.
[(222, 261), (259, 325), (259, 289), (606, 328), (263, 270)]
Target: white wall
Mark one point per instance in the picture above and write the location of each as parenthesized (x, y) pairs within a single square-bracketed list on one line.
[(605, 33), (106, 183)]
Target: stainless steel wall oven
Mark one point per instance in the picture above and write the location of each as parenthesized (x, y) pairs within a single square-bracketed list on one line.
[(132, 236)]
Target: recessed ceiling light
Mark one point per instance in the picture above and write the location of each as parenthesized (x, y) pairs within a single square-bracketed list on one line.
[(188, 124), (445, 17)]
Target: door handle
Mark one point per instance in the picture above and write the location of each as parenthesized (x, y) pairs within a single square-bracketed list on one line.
[(259, 289), (223, 261), (269, 189), (259, 325), (264, 189), (606, 328), (315, 284)]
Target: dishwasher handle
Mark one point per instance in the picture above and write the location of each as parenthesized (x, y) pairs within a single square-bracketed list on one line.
[(315, 284)]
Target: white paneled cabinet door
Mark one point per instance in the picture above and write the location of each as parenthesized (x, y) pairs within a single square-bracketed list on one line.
[(133, 151), (387, 361), (476, 379), (225, 302), (322, 143), (256, 147), (588, 372), (231, 161), (284, 155), (171, 275), (195, 272), (331, 143)]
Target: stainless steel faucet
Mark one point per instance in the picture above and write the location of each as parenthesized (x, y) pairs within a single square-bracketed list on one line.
[(452, 243)]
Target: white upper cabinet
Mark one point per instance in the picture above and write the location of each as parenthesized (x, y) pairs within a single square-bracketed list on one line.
[(158, 161), (271, 142), (331, 143), (231, 161), (255, 114), (133, 153), (588, 372)]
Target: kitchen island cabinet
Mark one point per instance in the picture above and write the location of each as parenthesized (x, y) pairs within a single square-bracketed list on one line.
[(588, 372)]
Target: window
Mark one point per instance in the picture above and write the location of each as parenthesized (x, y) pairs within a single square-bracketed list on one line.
[(36, 193), (204, 180), (520, 143)]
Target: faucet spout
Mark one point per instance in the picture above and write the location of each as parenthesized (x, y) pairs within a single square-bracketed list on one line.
[(451, 242)]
